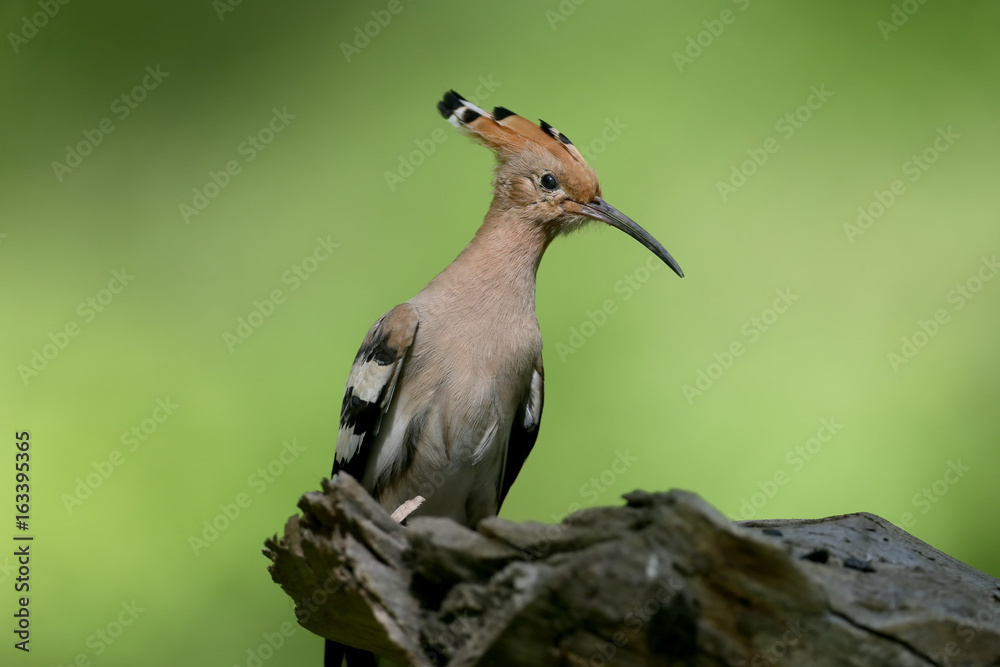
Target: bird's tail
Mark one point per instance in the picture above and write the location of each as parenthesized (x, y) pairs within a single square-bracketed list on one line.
[(335, 654)]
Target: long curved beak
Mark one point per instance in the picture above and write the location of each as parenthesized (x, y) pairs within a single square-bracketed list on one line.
[(605, 212)]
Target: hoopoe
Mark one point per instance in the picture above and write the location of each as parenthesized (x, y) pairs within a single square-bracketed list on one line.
[(445, 396)]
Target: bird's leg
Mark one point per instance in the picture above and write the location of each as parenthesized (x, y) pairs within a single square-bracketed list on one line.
[(406, 509)]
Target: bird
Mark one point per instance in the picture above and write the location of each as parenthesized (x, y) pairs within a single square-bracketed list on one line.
[(444, 399)]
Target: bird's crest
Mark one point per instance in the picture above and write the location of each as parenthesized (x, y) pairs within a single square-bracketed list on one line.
[(505, 132)]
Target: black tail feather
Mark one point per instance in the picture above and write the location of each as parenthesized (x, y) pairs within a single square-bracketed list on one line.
[(335, 654)]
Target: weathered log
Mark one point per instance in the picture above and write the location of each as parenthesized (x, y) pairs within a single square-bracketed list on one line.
[(664, 580)]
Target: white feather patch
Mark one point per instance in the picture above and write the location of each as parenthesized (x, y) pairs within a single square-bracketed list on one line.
[(534, 407), (481, 112), (347, 444), (488, 439), (369, 379)]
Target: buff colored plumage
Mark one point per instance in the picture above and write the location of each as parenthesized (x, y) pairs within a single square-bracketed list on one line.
[(445, 396)]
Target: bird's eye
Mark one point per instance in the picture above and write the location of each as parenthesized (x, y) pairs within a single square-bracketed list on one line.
[(549, 182)]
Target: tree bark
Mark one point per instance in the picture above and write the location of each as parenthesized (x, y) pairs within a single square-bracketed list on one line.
[(664, 580)]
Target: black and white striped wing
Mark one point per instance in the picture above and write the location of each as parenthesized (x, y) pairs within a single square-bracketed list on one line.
[(524, 431), (370, 386), (369, 391)]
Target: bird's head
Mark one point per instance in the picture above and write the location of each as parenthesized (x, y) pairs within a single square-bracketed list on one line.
[(541, 172)]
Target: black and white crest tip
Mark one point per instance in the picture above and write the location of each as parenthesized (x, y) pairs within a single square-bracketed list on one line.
[(554, 132), (457, 110)]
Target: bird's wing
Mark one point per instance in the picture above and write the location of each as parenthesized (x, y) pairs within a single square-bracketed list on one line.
[(524, 430), (370, 386)]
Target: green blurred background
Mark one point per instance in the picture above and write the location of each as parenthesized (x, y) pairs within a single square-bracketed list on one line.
[(665, 99)]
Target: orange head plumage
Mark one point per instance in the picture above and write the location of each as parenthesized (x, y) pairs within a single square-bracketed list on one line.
[(540, 169)]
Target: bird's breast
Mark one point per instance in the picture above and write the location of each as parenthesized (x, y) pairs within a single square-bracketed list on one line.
[(460, 390)]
